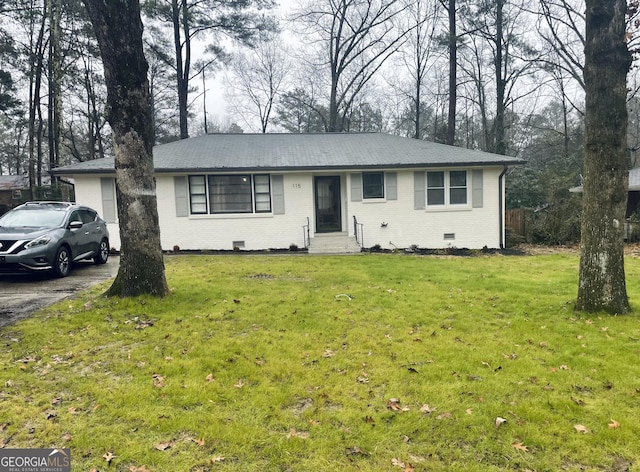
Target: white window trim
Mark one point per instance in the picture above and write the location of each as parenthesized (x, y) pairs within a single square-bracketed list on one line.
[(447, 206), (384, 188), (208, 214)]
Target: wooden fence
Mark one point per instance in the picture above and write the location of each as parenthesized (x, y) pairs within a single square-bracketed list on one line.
[(515, 221)]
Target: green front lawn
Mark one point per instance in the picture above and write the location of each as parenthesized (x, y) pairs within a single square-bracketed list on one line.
[(361, 363)]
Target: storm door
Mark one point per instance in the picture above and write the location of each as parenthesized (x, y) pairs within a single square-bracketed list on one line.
[(327, 197)]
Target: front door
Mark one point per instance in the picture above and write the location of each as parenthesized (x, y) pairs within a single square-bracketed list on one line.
[(327, 195)]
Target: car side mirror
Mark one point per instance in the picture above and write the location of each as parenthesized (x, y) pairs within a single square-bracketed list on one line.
[(75, 225)]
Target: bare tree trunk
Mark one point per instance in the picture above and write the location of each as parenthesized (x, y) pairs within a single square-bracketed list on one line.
[(183, 68), (118, 28), (55, 81), (453, 68), (607, 60), (501, 83), (35, 81)]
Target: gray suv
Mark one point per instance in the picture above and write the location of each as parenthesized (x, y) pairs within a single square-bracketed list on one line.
[(50, 236)]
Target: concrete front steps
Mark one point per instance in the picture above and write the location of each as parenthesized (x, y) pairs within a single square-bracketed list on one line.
[(333, 243)]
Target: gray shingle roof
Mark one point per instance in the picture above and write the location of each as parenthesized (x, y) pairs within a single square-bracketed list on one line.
[(14, 182), (281, 152)]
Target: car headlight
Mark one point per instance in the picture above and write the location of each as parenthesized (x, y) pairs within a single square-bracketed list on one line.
[(41, 241)]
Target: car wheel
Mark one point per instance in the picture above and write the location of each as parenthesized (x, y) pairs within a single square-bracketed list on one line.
[(62, 263), (103, 253)]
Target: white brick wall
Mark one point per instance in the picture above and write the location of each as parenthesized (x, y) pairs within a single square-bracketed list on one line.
[(473, 228)]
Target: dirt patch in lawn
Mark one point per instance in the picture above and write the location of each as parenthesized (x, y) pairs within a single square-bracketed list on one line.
[(630, 250)]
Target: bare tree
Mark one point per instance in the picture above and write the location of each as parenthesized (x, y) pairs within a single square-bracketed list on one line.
[(118, 28), (421, 19), (242, 21), (561, 27), (602, 285), (500, 25), (257, 79), (452, 46), (353, 38)]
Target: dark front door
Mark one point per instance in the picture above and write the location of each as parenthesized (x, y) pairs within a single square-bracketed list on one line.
[(328, 214)]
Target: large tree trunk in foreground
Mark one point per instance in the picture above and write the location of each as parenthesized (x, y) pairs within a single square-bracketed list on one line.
[(607, 60), (118, 28)]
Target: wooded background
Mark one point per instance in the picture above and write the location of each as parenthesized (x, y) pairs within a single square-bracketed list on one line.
[(503, 76)]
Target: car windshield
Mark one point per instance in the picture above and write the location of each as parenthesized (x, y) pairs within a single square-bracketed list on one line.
[(33, 218)]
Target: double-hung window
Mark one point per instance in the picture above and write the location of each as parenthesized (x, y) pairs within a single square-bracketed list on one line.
[(373, 184), (198, 194), (447, 188), (220, 194), (435, 188)]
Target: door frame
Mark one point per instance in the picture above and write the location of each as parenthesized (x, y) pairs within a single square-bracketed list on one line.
[(336, 196)]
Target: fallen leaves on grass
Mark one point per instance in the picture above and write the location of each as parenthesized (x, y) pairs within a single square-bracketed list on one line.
[(142, 468), (500, 421), (614, 424), (163, 446), (328, 353), (581, 428), (427, 410), (297, 434), (216, 459), (158, 381), (356, 451), (401, 465), (394, 405), (520, 447), (109, 456)]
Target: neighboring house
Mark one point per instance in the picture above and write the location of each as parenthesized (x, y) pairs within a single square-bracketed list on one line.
[(13, 191), (276, 191), (633, 200)]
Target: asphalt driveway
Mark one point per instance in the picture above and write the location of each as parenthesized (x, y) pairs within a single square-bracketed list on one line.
[(21, 295)]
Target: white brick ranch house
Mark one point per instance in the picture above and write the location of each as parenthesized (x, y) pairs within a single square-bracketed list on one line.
[(272, 191)]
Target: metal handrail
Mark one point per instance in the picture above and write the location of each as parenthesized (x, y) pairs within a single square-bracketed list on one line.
[(306, 236), (358, 231)]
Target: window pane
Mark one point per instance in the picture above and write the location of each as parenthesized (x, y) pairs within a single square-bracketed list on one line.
[(373, 185), (435, 188), (198, 194), (198, 207), (435, 179), (261, 183), (435, 197), (262, 191), (262, 207), (230, 193), (458, 196), (458, 187), (458, 178)]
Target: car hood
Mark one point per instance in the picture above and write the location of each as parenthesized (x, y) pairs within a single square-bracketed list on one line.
[(25, 232)]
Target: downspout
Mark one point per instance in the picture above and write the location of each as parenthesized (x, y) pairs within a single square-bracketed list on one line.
[(501, 209)]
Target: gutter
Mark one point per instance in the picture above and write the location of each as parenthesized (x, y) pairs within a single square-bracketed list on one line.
[(501, 209)]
